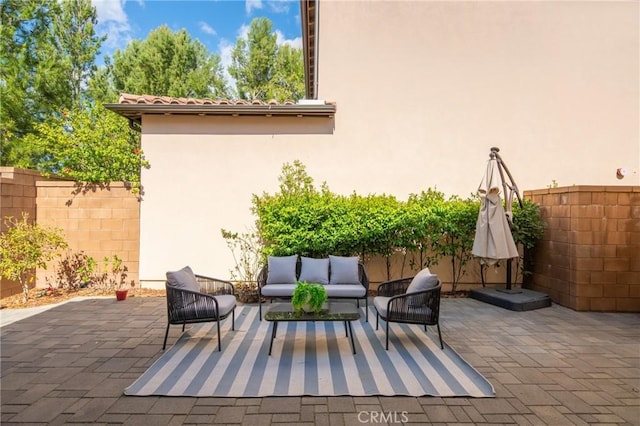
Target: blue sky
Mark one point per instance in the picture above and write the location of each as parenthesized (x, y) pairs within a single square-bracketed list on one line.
[(215, 23)]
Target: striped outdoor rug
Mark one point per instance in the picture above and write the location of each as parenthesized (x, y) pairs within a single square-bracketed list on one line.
[(309, 359)]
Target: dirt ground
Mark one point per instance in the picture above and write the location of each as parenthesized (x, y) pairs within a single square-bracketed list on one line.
[(40, 296)]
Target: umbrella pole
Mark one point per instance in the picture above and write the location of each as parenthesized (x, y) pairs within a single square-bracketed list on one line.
[(502, 168)]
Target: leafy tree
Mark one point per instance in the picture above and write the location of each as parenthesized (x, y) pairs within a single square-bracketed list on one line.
[(88, 145), (423, 228), (48, 53), (527, 228), (101, 88), (246, 249), (23, 31), (26, 246), (75, 46), (300, 219), (263, 70), (378, 225), (457, 223), (166, 63), (288, 76)]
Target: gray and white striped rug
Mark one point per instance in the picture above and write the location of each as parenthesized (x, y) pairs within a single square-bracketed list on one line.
[(309, 358)]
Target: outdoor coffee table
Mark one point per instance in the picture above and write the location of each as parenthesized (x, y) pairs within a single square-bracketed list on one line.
[(335, 312)]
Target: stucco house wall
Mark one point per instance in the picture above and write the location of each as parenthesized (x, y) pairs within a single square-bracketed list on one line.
[(422, 90)]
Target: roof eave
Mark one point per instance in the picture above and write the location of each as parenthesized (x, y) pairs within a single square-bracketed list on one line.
[(136, 111)]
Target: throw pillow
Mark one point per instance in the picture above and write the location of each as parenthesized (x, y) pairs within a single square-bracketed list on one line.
[(424, 280), (314, 270), (282, 269), (183, 279), (344, 270)]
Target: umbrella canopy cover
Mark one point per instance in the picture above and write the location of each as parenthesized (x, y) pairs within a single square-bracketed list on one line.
[(493, 240)]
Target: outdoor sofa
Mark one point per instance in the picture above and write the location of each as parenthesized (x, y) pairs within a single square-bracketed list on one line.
[(343, 278)]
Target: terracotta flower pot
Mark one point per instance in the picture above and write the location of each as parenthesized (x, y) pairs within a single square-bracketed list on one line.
[(121, 294)]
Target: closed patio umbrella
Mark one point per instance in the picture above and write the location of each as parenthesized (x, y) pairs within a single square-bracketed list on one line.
[(493, 240)]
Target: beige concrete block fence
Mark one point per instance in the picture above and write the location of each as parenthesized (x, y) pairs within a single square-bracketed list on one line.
[(100, 220), (589, 257)]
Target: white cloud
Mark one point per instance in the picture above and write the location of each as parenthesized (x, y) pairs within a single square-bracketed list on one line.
[(110, 10), (113, 21), (294, 42), (226, 48), (243, 31), (249, 5), (206, 28), (279, 6)]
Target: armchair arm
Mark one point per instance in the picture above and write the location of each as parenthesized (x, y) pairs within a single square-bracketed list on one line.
[(394, 287), (214, 286), (188, 306), (262, 277), (364, 278)]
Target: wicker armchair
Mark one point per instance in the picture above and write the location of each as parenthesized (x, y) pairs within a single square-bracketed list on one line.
[(394, 304), (214, 302)]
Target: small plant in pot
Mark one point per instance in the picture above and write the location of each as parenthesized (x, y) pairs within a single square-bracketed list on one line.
[(114, 276), (309, 297)]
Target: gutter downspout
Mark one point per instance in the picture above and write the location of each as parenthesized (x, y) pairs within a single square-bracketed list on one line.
[(310, 63), (315, 49)]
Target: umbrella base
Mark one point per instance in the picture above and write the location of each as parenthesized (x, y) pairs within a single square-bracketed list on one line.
[(520, 299)]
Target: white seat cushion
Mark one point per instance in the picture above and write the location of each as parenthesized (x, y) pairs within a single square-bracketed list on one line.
[(278, 290), (345, 290), (226, 303), (380, 303)]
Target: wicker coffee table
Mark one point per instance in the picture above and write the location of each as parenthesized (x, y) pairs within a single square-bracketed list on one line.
[(336, 312)]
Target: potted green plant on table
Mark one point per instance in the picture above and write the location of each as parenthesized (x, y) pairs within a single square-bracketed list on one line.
[(309, 297)]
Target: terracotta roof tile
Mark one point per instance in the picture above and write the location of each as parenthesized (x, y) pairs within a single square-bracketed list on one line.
[(134, 107), (127, 98)]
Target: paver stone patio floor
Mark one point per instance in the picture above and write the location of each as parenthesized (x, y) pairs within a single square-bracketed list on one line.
[(70, 364)]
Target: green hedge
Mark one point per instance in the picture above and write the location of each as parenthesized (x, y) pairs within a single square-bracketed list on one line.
[(315, 222)]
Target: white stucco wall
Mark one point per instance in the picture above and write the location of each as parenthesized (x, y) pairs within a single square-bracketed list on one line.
[(423, 90), (433, 85)]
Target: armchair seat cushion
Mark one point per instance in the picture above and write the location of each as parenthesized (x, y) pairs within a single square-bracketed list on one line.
[(380, 303), (226, 303)]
